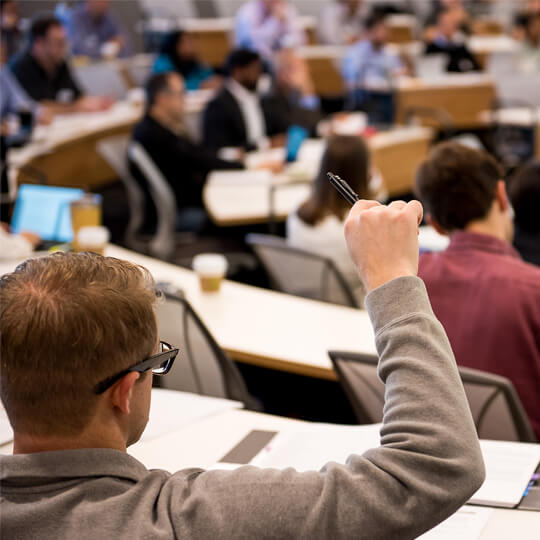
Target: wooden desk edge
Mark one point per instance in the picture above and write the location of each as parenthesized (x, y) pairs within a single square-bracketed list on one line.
[(283, 365)]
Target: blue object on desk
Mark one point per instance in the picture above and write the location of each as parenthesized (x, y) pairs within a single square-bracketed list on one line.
[(296, 135), (44, 210)]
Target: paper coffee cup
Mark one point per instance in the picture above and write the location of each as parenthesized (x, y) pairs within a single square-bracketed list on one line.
[(211, 269), (93, 239)]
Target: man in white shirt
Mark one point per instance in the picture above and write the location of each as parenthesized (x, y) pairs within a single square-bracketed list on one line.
[(268, 25), (235, 118)]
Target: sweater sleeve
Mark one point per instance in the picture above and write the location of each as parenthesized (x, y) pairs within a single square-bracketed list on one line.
[(428, 465)]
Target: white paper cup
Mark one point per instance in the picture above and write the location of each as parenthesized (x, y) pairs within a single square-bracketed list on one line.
[(94, 239), (211, 269)]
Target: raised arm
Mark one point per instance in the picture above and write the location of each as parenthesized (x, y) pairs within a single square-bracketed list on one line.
[(429, 462)]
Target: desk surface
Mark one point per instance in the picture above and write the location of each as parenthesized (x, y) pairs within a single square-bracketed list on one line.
[(263, 327), (172, 453), (396, 155)]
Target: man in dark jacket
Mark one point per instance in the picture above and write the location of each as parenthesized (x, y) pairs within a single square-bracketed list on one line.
[(161, 133)]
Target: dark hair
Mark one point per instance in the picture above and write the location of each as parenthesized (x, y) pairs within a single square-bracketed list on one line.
[(376, 17), (157, 84), (240, 58), (348, 157), (168, 44), (457, 184), (182, 65), (3, 4), (40, 27), (524, 193)]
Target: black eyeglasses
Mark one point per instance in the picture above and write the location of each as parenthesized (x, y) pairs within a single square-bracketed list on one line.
[(159, 363)]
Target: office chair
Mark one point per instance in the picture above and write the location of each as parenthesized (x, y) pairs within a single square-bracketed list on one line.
[(495, 406), (202, 367), (301, 273), (114, 152)]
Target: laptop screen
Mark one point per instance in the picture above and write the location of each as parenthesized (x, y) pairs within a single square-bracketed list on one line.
[(44, 210)]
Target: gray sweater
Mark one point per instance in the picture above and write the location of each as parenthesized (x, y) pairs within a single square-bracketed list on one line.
[(429, 463)]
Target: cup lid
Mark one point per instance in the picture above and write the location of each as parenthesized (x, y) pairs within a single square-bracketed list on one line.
[(210, 264)]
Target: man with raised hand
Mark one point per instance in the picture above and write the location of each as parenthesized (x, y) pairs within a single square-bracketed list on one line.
[(79, 336)]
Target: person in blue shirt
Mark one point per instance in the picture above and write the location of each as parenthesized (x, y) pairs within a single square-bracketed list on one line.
[(177, 53), (93, 31), (369, 69)]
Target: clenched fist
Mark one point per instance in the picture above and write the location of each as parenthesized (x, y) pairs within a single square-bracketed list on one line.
[(383, 240)]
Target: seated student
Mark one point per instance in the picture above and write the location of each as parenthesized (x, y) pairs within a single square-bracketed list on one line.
[(177, 53), (76, 329), (460, 14), (486, 297), (317, 225), (530, 45), (291, 100), (449, 41), (42, 70), (235, 117), (94, 31), (265, 26), (524, 193), (162, 134), (369, 68), (341, 22)]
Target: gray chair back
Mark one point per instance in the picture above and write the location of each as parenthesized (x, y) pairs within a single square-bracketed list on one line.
[(495, 406), (302, 273), (163, 243), (202, 367), (114, 152)]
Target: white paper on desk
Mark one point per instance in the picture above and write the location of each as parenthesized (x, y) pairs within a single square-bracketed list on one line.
[(228, 178), (466, 524), (310, 448), (509, 468), (171, 410)]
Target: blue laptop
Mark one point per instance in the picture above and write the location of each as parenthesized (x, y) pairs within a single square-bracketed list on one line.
[(44, 210)]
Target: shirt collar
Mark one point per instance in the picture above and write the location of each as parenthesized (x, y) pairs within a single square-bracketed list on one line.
[(44, 467), (239, 92), (464, 240)]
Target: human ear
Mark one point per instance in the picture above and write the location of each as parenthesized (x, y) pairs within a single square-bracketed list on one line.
[(121, 392)]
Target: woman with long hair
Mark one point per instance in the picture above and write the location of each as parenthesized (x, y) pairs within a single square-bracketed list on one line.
[(178, 53), (317, 225)]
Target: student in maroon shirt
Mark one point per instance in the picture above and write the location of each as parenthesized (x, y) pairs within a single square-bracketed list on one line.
[(484, 294)]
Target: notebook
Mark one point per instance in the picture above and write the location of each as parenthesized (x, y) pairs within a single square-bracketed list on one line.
[(44, 210)]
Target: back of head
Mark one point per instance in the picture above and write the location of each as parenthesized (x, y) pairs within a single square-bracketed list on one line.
[(524, 192), (457, 185), (69, 321), (348, 157), (169, 43), (155, 85), (375, 18), (40, 26), (240, 59)]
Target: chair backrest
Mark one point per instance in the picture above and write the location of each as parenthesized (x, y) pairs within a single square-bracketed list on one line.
[(202, 366), (163, 197), (495, 406), (102, 79), (114, 152), (301, 273)]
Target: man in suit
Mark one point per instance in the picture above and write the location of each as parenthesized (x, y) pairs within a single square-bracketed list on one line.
[(161, 133), (235, 117)]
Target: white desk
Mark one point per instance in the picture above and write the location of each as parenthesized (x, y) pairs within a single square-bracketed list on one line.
[(192, 447), (266, 328), (230, 200)]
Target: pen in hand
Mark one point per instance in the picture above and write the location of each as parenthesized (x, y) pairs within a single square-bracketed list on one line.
[(344, 189)]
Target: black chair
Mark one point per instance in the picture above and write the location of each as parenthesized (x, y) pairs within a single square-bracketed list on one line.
[(302, 273), (202, 367), (495, 406)]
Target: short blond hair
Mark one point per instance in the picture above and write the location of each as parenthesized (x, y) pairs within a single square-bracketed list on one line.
[(68, 321)]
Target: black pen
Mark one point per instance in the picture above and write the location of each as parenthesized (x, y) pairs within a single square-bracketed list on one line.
[(344, 189)]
